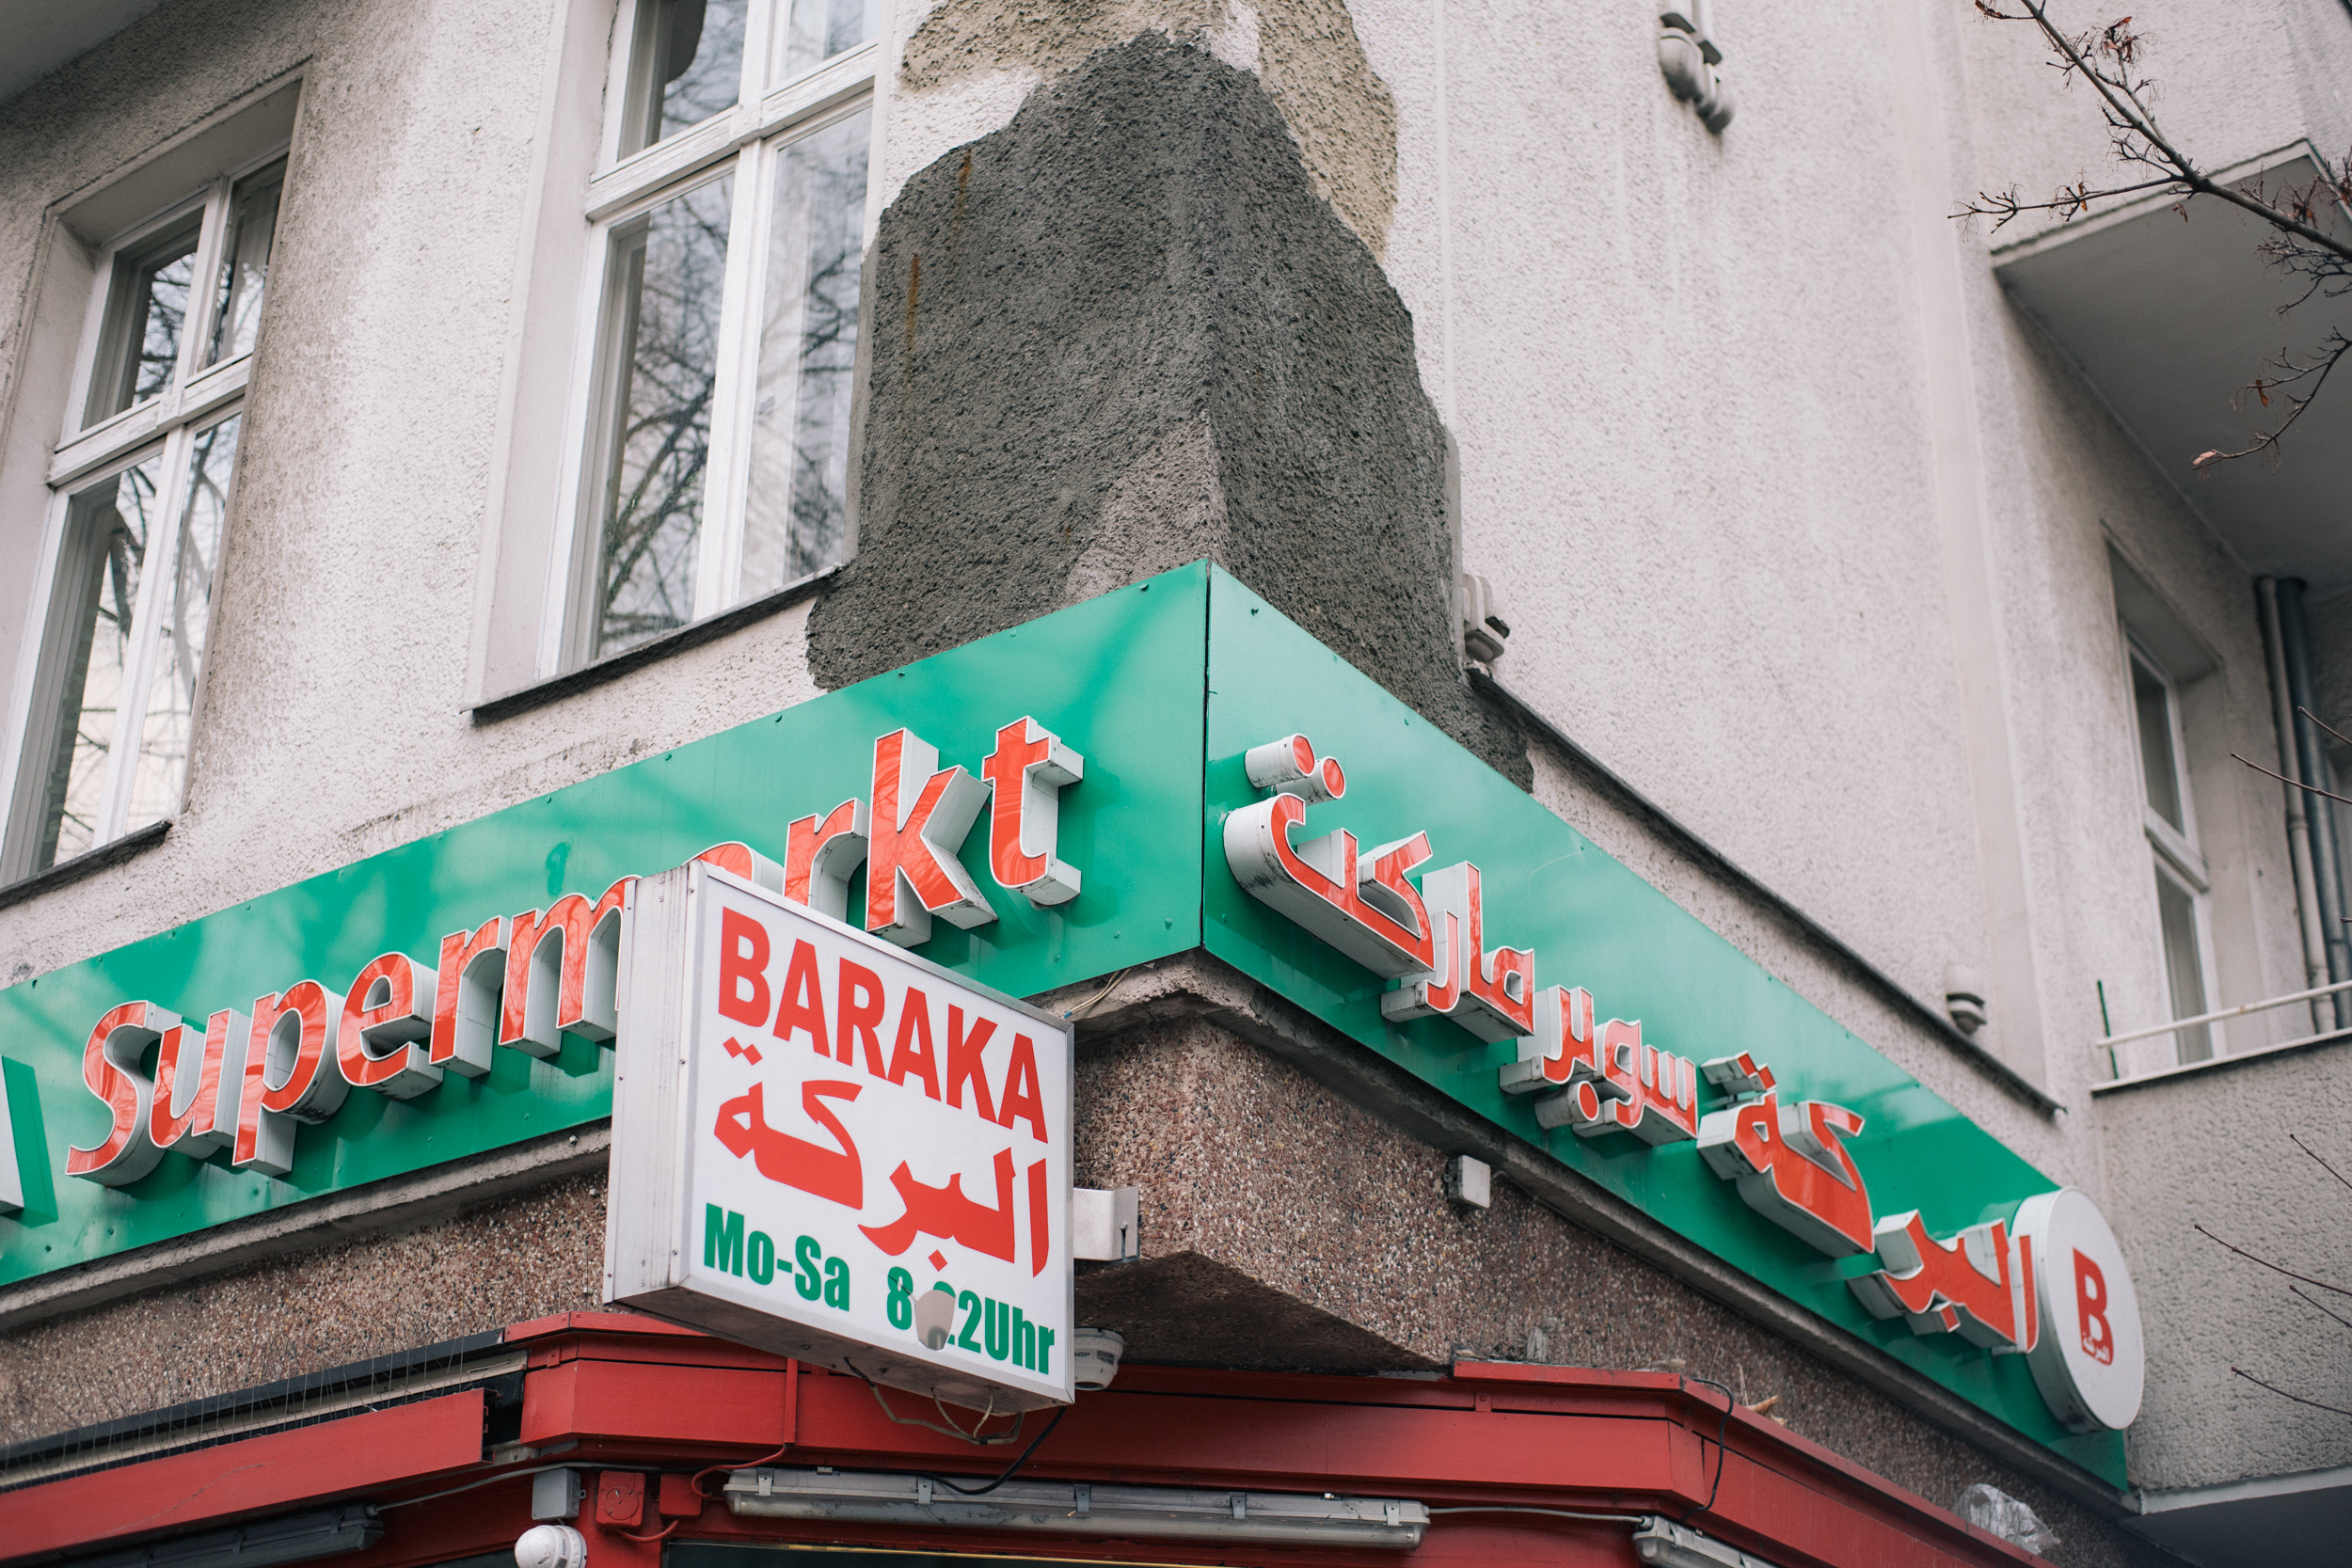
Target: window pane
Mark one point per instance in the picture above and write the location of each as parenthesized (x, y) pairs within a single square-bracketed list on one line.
[(2153, 705), (667, 281), (2184, 965), (796, 518), (147, 306), (170, 716), (107, 529), (245, 263), (820, 29), (688, 65)]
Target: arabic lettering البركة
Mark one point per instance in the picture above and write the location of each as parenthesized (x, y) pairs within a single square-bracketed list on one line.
[(947, 1213), (813, 1168)]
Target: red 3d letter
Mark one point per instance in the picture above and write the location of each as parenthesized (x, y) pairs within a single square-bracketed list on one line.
[(1978, 1285), (1027, 772), (744, 862), (191, 1112), (110, 1067), (561, 971), (291, 1074), (472, 974), (1490, 995), (1789, 1164), (921, 814), (1363, 904), (820, 854), (383, 1041)]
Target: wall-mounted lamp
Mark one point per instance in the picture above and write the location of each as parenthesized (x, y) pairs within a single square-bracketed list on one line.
[(1080, 1509), (1484, 629), (1688, 55), (1963, 998)]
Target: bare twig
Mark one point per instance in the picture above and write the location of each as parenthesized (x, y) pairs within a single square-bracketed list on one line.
[(2324, 724), (2297, 782), (2322, 1163), (2291, 371), (2269, 1264), (2284, 1395), (2315, 1306)]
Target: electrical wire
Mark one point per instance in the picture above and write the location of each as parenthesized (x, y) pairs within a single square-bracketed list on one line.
[(950, 1429), (1722, 1429), (474, 1485), (1010, 1470), (1089, 1005)]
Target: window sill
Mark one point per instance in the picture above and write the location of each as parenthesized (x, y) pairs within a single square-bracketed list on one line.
[(2218, 1064), (113, 853), (694, 635)]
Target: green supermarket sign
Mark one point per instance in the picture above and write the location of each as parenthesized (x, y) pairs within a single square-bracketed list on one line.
[(1172, 765)]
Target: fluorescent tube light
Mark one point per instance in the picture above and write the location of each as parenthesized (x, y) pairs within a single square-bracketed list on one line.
[(1080, 1509), (295, 1538), (1672, 1546)]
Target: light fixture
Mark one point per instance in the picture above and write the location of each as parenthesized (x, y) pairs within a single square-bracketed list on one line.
[(1079, 1509), (1673, 1546), (295, 1538)]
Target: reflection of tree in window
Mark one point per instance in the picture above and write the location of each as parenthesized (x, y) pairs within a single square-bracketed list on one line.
[(147, 307), (691, 67), (664, 374), (106, 535), (820, 29), (796, 517), (170, 715), (245, 263)]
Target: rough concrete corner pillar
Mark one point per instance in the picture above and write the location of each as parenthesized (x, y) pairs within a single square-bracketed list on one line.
[(1123, 333)]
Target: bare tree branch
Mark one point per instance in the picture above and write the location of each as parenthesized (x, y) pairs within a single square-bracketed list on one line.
[(2331, 729), (2297, 783), (2269, 1264), (2109, 59), (2284, 1395), (2315, 1306), (2300, 1143)]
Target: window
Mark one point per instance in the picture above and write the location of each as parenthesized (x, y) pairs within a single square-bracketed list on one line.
[(2170, 826), (711, 430), (139, 489)]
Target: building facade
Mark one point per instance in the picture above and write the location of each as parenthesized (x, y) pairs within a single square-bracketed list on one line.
[(410, 416)]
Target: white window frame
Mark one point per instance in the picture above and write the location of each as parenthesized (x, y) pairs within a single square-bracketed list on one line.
[(197, 398), (2176, 852), (747, 139)]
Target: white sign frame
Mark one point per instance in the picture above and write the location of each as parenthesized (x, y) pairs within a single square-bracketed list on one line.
[(680, 1142)]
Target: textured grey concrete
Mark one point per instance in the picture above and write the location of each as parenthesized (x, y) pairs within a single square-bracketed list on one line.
[(2214, 1150), (1123, 333), (1284, 1227), (503, 1262)]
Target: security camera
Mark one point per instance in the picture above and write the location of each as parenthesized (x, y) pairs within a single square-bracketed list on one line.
[(551, 1547), (1094, 1358)]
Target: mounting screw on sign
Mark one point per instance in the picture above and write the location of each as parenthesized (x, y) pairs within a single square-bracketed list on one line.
[(2091, 1362)]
